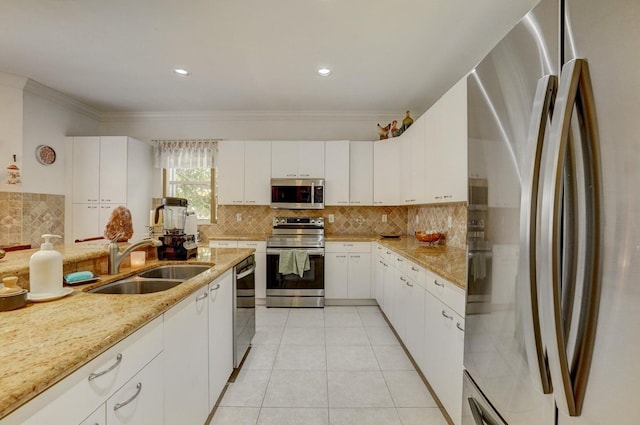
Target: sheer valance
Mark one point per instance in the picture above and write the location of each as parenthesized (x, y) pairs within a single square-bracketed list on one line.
[(185, 153)]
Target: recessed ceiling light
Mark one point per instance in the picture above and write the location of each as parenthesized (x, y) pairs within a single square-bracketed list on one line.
[(324, 72), (181, 72)]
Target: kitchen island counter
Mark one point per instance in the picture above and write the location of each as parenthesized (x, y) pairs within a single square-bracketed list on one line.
[(43, 343)]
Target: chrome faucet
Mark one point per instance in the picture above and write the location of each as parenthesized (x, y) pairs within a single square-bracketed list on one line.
[(116, 257)]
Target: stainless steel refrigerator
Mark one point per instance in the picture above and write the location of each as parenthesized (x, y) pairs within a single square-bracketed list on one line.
[(553, 291)]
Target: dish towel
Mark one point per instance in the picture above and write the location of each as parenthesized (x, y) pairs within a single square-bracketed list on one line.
[(293, 261), (478, 266)]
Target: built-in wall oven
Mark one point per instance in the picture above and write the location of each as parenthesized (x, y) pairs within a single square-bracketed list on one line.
[(304, 235), (297, 194)]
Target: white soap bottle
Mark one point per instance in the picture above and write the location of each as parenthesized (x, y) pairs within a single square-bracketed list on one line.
[(45, 269)]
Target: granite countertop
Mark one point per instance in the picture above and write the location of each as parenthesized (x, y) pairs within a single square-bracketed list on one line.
[(447, 261), (241, 237), (43, 343)]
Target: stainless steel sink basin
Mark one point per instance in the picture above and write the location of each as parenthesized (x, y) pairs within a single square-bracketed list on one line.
[(136, 286), (175, 271)]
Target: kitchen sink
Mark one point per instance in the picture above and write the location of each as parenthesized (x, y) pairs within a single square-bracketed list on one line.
[(175, 271), (136, 286), (153, 280)]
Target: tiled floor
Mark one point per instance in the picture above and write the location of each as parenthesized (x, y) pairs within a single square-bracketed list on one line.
[(331, 366)]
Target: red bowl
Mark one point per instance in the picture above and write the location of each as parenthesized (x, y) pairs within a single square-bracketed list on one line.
[(429, 237)]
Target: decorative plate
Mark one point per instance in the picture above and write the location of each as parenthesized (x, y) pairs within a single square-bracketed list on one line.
[(45, 155)]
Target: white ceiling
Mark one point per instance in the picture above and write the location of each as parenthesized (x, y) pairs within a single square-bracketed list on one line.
[(251, 55)]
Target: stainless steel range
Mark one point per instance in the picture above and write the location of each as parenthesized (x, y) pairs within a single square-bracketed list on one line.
[(296, 237)]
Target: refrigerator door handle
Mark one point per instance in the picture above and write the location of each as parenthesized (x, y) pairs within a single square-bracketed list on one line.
[(529, 201), (583, 249), (480, 415)]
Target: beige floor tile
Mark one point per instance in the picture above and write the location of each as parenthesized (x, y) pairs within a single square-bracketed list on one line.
[(364, 416), (235, 416), (293, 416), (351, 357), (261, 356), (303, 336), (392, 357), (407, 389), (381, 336), (267, 334), (248, 390), (342, 319), (294, 388), (421, 416), (358, 389), (301, 357), (373, 319), (346, 336)]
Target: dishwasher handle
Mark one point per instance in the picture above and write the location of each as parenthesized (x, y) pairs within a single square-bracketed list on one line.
[(246, 273)]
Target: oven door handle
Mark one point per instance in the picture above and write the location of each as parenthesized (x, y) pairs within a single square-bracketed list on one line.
[(246, 273), (309, 251)]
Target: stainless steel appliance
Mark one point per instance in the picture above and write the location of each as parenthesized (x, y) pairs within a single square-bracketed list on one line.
[(176, 245), (291, 290), (244, 308), (297, 194), (554, 128)]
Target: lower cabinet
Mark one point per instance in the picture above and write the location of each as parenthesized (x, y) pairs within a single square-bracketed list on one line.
[(139, 401), (99, 417), (186, 363), (220, 335), (347, 270)]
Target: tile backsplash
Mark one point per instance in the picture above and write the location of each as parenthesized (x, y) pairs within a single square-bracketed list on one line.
[(24, 217), (347, 220)]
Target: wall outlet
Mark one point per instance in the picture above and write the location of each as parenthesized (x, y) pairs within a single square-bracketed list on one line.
[(384, 218), (238, 217), (331, 218), (449, 222)]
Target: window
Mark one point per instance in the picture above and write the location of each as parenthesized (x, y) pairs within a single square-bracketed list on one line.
[(195, 185)]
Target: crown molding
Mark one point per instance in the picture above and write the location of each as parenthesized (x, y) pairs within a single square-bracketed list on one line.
[(12, 80), (251, 116), (62, 99)]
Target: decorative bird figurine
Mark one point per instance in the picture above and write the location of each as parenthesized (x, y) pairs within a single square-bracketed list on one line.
[(395, 131), (407, 121), (383, 132)]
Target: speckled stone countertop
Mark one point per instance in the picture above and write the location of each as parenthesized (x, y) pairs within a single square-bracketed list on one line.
[(447, 261), (44, 342)]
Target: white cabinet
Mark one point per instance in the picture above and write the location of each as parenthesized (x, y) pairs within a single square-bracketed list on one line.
[(378, 272), (293, 159), (386, 172), (260, 257), (139, 401), (99, 417), (244, 172), (446, 152), (230, 177), (106, 172), (348, 270), (361, 173), (186, 365), (82, 395), (220, 335), (257, 173), (336, 173)]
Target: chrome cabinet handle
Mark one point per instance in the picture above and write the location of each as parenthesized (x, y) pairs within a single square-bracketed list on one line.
[(215, 288), (202, 297), (403, 279), (435, 282), (95, 375), (459, 326), (570, 254), (399, 259), (408, 284), (446, 315), (133, 397), (415, 269)]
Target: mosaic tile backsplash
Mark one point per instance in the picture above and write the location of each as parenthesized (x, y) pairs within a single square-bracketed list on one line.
[(24, 217), (436, 217)]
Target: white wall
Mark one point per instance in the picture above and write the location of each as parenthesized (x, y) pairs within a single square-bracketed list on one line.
[(47, 122), (10, 126)]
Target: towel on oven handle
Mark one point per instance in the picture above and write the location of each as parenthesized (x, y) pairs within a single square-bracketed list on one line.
[(294, 261)]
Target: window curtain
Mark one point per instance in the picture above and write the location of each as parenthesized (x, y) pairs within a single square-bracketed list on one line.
[(185, 153)]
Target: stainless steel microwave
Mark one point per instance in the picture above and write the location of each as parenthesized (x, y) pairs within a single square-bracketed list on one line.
[(297, 194)]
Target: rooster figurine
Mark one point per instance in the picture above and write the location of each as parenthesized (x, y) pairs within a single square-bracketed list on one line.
[(395, 131), (383, 132)]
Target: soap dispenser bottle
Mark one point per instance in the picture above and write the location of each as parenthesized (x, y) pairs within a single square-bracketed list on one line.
[(45, 268)]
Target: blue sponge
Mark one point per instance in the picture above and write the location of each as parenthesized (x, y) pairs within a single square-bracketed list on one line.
[(78, 276)]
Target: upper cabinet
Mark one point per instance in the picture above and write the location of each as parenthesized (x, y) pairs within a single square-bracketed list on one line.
[(413, 172), (104, 173), (244, 172), (446, 148), (386, 172), (360, 173), (336, 173), (292, 159)]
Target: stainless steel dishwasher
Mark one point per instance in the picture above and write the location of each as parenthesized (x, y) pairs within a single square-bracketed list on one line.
[(244, 308)]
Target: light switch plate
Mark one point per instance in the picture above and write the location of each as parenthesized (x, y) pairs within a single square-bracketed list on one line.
[(384, 218), (238, 217), (331, 218)]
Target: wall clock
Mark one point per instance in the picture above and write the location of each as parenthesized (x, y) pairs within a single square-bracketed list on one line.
[(45, 155)]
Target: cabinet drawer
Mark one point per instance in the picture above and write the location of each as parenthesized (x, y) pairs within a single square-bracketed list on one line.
[(399, 262), (73, 399), (416, 273), (223, 244), (363, 247), (259, 246), (450, 294)]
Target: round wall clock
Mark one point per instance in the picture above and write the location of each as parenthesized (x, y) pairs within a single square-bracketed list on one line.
[(45, 155)]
